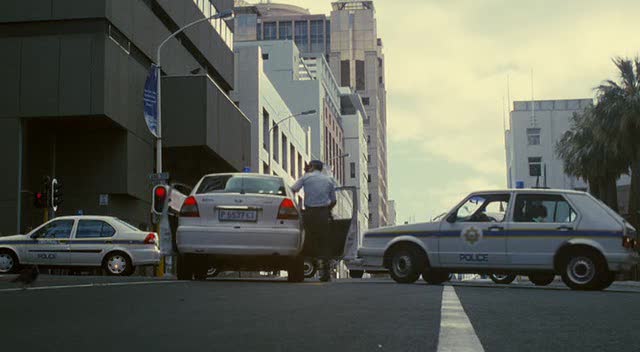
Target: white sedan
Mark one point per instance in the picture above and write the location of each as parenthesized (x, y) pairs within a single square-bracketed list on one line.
[(81, 241)]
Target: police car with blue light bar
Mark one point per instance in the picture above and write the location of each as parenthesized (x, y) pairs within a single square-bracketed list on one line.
[(81, 241), (533, 232)]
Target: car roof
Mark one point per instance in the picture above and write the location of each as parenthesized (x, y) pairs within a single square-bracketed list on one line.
[(243, 174), (85, 217), (530, 190)]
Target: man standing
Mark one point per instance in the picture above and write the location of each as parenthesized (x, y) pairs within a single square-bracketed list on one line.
[(319, 199)]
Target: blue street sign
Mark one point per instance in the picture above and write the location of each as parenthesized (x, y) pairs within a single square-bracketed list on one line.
[(151, 100), (246, 169), (519, 184)]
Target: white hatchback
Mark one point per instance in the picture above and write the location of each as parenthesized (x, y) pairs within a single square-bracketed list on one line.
[(81, 241), (239, 221)]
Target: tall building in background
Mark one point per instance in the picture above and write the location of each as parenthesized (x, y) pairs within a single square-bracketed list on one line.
[(357, 60)]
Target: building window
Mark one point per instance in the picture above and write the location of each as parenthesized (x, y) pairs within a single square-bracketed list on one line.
[(299, 165), (535, 166), (345, 73), (265, 130), (359, 75), (317, 36), (369, 178), (352, 170), (292, 162), (276, 134), (368, 139), (270, 31), (365, 101), (533, 136), (328, 34), (284, 30), (380, 79), (259, 31), (369, 198), (368, 158), (265, 56), (301, 35), (285, 145)]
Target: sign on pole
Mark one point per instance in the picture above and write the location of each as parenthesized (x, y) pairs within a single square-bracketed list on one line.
[(151, 100), (103, 200)]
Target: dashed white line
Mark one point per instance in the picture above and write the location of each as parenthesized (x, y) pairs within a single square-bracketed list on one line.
[(456, 332), (105, 284)]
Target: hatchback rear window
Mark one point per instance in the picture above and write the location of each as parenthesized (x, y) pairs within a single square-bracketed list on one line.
[(241, 184)]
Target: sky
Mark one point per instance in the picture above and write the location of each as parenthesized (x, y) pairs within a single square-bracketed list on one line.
[(447, 63)]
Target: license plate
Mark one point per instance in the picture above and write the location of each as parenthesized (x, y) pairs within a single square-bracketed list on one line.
[(237, 215)]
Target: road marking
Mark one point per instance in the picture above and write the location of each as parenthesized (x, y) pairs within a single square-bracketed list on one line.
[(456, 332), (106, 284)]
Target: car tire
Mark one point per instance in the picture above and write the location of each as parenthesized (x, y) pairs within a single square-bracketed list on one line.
[(117, 264), (185, 268), (356, 274), (8, 262), (310, 268), (435, 277), (541, 279), (583, 270), (213, 272), (502, 279), (606, 279), (295, 272), (406, 264)]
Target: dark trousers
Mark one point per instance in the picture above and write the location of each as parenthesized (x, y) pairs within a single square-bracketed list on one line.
[(316, 227)]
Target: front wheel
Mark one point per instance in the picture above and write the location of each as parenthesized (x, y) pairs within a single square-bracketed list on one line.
[(502, 279), (8, 262), (541, 279), (406, 263)]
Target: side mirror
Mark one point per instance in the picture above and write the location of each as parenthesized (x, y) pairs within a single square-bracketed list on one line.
[(451, 218)]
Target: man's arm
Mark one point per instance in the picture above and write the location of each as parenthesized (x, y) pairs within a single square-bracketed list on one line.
[(332, 195), (297, 186)]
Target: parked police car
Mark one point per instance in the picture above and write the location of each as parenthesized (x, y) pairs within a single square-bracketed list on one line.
[(539, 233), (81, 241)]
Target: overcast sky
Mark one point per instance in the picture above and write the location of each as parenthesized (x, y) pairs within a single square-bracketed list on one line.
[(446, 66)]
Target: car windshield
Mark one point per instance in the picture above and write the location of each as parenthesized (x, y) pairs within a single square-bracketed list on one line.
[(242, 184)]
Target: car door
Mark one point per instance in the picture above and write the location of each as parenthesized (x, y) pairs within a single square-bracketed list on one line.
[(91, 241), (51, 243), (474, 234), (541, 222)]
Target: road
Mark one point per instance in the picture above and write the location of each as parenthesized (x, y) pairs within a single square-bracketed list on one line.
[(142, 314)]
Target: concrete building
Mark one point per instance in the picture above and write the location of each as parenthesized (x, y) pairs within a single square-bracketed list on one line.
[(355, 144), (71, 103), (357, 60), (392, 212), (288, 144)]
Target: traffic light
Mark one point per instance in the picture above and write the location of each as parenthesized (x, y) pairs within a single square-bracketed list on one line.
[(56, 194), (40, 200), (159, 199)]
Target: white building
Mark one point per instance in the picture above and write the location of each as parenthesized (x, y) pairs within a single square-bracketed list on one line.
[(392, 212), (530, 143), (286, 149)]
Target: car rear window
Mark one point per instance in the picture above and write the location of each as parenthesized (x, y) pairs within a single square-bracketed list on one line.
[(241, 184)]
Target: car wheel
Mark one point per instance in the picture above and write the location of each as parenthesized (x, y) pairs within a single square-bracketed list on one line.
[(8, 262), (213, 272), (185, 268), (582, 270), (502, 279), (117, 264), (606, 279), (405, 265), (309, 268), (541, 279), (356, 274), (435, 277), (295, 272)]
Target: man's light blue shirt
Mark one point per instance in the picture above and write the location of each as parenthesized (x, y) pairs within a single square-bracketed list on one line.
[(319, 189)]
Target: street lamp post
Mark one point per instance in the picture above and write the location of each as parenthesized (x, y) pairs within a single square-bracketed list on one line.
[(308, 112), (221, 15)]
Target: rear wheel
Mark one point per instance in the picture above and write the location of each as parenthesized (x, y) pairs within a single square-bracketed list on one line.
[(117, 264), (502, 279), (583, 270), (295, 272), (213, 272), (8, 262), (541, 279), (356, 274), (606, 280), (435, 277), (406, 264)]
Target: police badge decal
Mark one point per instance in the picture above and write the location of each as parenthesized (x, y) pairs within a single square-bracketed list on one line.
[(471, 235)]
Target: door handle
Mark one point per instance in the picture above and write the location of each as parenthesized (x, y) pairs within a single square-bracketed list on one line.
[(496, 228), (565, 228)]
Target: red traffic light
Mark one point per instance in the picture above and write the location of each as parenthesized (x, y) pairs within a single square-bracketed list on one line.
[(39, 195), (161, 192)]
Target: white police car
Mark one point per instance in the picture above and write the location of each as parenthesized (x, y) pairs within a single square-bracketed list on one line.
[(539, 233), (81, 241)]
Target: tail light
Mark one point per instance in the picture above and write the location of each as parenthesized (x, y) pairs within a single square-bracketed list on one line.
[(629, 242), (190, 208), (287, 210), (151, 238)]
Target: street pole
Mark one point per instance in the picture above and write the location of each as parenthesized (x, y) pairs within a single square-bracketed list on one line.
[(308, 112)]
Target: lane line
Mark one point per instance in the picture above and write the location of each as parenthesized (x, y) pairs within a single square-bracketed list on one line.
[(106, 284), (456, 332)]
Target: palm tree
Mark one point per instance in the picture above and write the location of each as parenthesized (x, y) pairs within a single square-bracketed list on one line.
[(620, 103)]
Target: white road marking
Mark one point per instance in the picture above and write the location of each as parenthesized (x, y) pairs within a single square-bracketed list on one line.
[(456, 332), (105, 284)]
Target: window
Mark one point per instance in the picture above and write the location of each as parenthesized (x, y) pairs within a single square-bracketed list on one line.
[(365, 101), (292, 161), (285, 146), (543, 208), (55, 229), (284, 31), (299, 165), (369, 198), (301, 33), (533, 136), (359, 75), (270, 31), (352, 170), (317, 35), (276, 140), (248, 183), (369, 158), (368, 139), (483, 208), (328, 34), (259, 31), (94, 229), (380, 79), (265, 130), (535, 166), (369, 178), (345, 73), (265, 56)]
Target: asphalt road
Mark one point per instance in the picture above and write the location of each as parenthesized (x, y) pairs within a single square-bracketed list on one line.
[(141, 314)]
